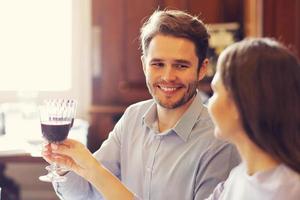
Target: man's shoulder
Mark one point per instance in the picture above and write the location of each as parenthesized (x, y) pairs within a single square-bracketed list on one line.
[(139, 107), (204, 126), (224, 149), (217, 145), (207, 141), (134, 114)]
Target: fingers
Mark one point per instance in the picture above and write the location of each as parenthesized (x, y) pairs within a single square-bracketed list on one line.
[(59, 159), (63, 161), (48, 158), (70, 148), (62, 149), (46, 153)]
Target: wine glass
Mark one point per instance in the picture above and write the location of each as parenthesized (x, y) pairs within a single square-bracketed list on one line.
[(56, 117)]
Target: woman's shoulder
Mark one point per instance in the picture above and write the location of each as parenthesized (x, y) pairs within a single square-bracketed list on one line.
[(278, 183)]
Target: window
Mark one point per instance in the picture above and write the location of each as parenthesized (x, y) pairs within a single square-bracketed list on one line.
[(45, 48)]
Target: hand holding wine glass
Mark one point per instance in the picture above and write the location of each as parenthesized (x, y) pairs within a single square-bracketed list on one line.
[(57, 117), (73, 155)]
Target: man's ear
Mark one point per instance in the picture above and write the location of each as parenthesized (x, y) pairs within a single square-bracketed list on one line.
[(203, 69), (143, 59)]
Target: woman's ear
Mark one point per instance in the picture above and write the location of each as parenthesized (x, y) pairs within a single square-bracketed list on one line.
[(234, 109), (203, 69)]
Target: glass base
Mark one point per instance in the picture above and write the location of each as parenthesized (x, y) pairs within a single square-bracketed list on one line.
[(56, 169), (53, 174), (52, 177)]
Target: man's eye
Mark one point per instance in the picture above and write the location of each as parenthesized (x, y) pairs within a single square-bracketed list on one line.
[(157, 64), (181, 66)]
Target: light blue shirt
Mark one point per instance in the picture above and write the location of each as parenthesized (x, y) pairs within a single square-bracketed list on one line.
[(183, 163), (277, 184)]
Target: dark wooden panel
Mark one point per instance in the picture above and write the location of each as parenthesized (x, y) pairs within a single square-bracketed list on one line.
[(208, 11), (136, 12), (269, 12), (216, 11), (95, 11), (232, 11), (132, 87), (102, 120), (297, 24), (285, 15), (281, 21), (110, 18), (175, 4)]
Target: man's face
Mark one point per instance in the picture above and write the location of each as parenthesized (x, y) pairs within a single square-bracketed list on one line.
[(170, 67)]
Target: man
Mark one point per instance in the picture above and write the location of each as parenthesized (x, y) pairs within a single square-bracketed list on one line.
[(164, 148)]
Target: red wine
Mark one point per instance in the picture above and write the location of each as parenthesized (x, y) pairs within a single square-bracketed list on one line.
[(55, 131)]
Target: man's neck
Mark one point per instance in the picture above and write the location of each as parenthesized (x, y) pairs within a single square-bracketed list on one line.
[(167, 118)]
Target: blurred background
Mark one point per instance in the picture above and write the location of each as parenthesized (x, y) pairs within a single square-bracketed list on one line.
[(89, 50)]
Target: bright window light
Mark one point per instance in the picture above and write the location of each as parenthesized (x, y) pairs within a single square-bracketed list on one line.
[(35, 45)]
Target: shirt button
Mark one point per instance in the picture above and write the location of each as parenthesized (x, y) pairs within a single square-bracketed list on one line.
[(157, 137)]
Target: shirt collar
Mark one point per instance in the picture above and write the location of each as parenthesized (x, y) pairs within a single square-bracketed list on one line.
[(184, 125), (150, 117), (189, 118)]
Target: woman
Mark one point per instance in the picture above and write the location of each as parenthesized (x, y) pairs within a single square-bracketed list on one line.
[(256, 106)]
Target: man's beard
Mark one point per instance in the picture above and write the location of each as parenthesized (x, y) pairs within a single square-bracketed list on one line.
[(189, 94)]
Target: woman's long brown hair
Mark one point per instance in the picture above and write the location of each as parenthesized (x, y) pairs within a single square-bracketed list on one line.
[(263, 78)]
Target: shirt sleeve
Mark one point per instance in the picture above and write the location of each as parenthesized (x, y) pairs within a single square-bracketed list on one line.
[(217, 192), (77, 188), (135, 197), (215, 168)]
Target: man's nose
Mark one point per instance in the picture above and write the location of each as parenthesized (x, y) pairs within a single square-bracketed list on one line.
[(169, 74)]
